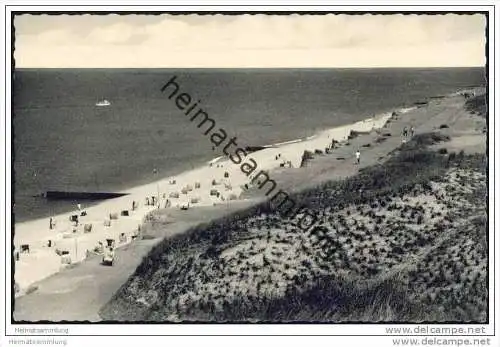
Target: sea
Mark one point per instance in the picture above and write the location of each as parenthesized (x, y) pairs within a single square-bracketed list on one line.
[(62, 141)]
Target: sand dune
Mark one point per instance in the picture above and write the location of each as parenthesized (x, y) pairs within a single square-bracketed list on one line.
[(413, 220), (266, 255), (246, 257)]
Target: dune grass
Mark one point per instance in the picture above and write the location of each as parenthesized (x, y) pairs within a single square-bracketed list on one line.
[(412, 164), (478, 104), (370, 296)]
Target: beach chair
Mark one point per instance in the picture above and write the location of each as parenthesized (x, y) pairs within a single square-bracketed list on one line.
[(25, 248), (87, 228), (136, 233), (61, 252), (110, 242), (124, 213), (108, 256), (66, 259), (99, 248), (113, 216), (122, 238), (107, 223)]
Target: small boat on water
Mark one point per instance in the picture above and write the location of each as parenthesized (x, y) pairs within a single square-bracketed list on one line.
[(102, 103)]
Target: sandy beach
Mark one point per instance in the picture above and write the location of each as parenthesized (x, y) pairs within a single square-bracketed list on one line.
[(208, 192), (219, 182)]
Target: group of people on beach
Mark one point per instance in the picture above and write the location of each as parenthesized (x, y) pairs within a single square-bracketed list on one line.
[(151, 202), (407, 133)]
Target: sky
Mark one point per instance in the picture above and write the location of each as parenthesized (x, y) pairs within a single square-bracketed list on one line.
[(246, 41)]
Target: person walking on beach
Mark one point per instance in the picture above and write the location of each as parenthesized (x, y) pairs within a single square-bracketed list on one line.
[(404, 134), (412, 131), (358, 157), (51, 223)]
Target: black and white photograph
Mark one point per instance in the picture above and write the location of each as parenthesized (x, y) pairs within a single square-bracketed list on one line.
[(253, 168)]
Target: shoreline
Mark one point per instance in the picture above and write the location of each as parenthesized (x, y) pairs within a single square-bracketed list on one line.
[(95, 284), (218, 159), (142, 182), (42, 261), (214, 160)]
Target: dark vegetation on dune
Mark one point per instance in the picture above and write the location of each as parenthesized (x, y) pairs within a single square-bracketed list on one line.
[(374, 295), (478, 105), (331, 299)]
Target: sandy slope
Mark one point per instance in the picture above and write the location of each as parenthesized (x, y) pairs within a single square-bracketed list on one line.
[(371, 240), (78, 292), (93, 284), (193, 188), (424, 232)]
